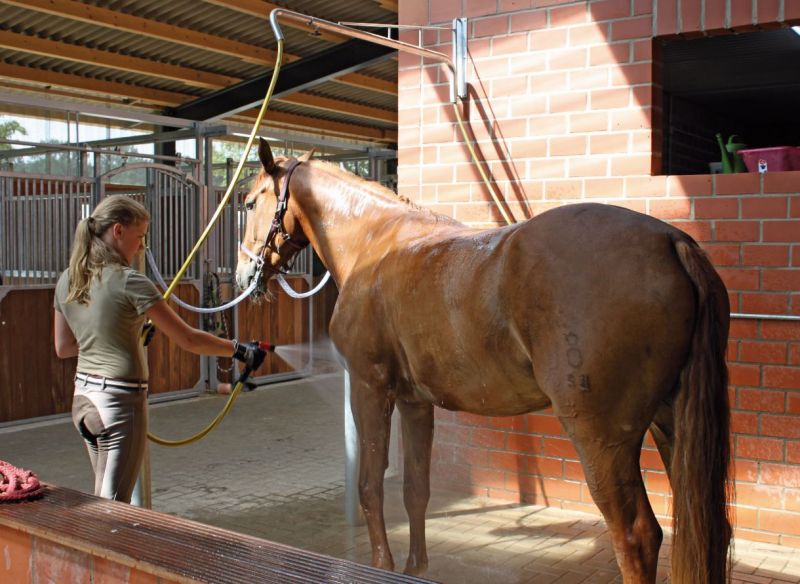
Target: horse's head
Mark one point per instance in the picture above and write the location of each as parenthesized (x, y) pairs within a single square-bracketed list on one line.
[(272, 235)]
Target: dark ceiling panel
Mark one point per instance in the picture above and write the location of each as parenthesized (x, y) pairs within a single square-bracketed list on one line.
[(338, 60)]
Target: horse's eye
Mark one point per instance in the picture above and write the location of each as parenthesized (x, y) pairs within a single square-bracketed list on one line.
[(249, 205)]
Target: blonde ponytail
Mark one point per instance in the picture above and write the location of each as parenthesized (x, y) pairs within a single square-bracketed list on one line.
[(90, 254)]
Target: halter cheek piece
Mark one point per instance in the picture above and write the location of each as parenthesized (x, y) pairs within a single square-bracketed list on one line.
[(277, 226)]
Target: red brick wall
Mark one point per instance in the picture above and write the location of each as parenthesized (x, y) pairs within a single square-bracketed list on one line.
[(29, 558), (564, 108)]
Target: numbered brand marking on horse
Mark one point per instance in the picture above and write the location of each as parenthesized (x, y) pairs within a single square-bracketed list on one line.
[(574, 356), (581, 382)]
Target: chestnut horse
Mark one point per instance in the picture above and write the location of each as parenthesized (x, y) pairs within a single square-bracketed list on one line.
[(614, 319)]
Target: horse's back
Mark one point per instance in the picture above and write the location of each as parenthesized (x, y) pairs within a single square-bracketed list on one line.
[(504, 321)]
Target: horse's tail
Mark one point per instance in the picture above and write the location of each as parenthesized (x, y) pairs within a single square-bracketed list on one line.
[(701, 456)]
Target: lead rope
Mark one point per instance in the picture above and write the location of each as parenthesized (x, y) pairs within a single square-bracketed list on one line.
[(151, 261), (17, 484), (282, 281), (229, 191)]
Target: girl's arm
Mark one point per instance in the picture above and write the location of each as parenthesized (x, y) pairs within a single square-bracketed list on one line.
[(187, 337), (65, 341)]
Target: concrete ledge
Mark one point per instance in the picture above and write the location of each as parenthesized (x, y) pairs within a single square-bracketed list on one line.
[(68, 536)]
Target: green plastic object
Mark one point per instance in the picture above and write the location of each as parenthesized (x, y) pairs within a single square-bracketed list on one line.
[(732, 161)]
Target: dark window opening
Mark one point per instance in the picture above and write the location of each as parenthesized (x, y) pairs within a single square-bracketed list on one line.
[(747, 85)]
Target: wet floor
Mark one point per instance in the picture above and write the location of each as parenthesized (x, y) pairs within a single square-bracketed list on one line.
[(275, 469)]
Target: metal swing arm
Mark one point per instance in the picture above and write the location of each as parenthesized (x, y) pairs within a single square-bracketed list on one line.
[(457, 65)]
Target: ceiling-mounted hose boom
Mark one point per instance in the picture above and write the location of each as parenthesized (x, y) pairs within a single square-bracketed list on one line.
[(334, 27)]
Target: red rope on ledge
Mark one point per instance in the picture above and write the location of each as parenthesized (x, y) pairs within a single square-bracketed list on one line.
[(17, 484)]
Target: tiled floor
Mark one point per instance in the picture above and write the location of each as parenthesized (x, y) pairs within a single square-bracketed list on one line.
[(275, 469)]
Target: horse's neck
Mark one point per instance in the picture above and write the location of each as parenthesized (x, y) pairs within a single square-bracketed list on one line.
[(345, 217)]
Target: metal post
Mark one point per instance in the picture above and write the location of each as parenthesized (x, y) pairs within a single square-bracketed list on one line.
[(212, 260), (352, 510), (142, 494), (460, 57)]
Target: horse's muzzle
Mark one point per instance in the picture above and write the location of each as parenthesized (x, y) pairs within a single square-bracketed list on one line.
[(245, 272)]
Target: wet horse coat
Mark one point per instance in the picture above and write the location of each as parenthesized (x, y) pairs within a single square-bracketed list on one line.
[(613, 318)]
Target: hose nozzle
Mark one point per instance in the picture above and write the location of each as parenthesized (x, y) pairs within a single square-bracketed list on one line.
[(265, 346)]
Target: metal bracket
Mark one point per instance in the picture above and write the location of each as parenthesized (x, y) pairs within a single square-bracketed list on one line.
[(459, 59)]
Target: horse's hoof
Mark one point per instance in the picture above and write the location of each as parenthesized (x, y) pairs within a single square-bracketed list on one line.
[(415, 568), (383, 563)]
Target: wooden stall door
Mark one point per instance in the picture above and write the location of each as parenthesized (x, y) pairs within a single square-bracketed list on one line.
[(281, 321), (34, 382)]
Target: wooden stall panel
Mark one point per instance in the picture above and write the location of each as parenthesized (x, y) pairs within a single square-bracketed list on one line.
[(281, 320), (33, 380), (172, 368)]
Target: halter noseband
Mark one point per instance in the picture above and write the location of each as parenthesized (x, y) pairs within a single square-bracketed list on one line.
[(277, 226)]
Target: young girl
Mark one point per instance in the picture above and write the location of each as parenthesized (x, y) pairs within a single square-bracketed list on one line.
[(101, 304)]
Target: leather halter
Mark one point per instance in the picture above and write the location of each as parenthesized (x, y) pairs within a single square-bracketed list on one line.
[(277, 226)]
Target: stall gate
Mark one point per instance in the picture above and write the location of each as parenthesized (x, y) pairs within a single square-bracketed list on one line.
[(38, 216), (173, 198)]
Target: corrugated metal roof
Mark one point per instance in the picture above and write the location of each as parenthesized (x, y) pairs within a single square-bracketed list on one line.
[(44, 46)]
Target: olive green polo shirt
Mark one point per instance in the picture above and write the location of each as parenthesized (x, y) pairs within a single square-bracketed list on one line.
[(108, 327)]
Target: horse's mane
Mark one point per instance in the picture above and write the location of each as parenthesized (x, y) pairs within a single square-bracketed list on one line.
[(373, 187), (376, 189)]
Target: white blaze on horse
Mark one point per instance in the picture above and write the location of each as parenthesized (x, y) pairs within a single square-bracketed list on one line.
[(616, 320)]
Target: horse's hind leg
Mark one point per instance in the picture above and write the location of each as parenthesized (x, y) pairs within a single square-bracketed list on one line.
[(615, 482), (417, 424), (662, 429), (372, 411)]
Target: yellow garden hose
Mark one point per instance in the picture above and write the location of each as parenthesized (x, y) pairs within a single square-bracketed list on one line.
[(501, 205), (176, 280)]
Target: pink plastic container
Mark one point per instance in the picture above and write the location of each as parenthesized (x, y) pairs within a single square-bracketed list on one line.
[(777, 158), (794, 157)]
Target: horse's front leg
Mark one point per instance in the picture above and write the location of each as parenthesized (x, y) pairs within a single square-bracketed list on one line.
[(372, 411), (417, 424)]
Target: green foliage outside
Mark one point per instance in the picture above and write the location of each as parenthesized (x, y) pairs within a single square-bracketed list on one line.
[(226, 157), (8, 129)]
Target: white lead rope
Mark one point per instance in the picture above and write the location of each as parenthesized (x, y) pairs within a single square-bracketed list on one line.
[(210, 310), (282, 281), (160, 279), (288, 289)]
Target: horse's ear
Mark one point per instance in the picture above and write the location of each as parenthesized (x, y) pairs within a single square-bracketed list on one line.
[(307, 156), (265, 155)]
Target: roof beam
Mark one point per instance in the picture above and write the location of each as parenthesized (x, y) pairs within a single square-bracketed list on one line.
[(118, 21), (52, 49), (88, 106), (196, 78), (323, 127), (185, 134), (121, 90), (368, 82), (341, 107), (390, 5), (262, 10), (151, 28), (77, 54), (294, 77), (302, 138)]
